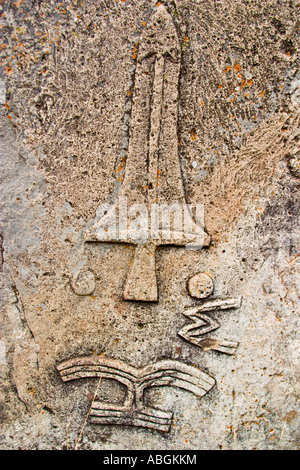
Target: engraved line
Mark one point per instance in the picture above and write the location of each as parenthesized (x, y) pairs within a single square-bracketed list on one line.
[(132, 422), (145, 417), (214, 305)]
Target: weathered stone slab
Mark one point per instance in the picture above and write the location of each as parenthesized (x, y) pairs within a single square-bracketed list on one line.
[(149, 224)]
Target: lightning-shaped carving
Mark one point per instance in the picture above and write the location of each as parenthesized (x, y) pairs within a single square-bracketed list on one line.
[(204, 323)]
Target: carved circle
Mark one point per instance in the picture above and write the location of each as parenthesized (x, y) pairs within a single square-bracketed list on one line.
[(294, 165), (84, 283), (200, 286)]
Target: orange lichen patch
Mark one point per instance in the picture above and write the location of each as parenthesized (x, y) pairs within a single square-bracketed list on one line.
[(157, 177), (262, 93), (134, 52), (220, 87), (202, 103), (186, 39), (227, 69), (144, 23), (121, 166), (194, 134), (8, 69), (7, 106), (158, 4), (9, 117), (244, 83), (19, 3), (237, 68)]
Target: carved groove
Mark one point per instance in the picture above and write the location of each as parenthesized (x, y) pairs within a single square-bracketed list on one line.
[(203, 324), (134, 412), (151, 174)]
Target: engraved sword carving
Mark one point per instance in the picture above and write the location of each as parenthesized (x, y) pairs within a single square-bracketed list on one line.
[(152, 174)]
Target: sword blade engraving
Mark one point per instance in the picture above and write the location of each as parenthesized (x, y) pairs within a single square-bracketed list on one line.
[(152, 174)]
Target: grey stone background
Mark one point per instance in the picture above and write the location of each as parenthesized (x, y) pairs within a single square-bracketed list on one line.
[(65, 82)]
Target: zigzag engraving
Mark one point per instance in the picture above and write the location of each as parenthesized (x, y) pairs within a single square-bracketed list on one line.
[(203, 324)]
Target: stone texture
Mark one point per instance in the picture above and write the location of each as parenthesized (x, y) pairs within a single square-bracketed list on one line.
[(66, 91), (84, 283), (294, 165), (200, 286)]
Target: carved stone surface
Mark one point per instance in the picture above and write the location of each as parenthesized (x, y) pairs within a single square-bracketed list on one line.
[(151, 174), (203, 324), (131, 335), (133, 411), (200, 286), (294, 165), (84, 283)]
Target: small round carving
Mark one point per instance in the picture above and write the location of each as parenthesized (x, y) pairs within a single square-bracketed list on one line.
[(84, 283), (294, 165), (200, 286)]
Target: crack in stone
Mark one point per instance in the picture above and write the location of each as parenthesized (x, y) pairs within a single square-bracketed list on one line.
[(21, 310)]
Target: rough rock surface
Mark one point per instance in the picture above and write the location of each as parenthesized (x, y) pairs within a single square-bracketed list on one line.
[(67, 88)]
